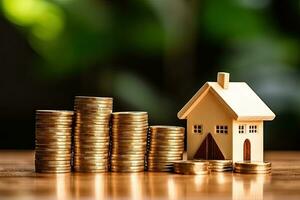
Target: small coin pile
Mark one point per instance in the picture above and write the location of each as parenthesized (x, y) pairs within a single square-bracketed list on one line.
[(91, 133), (128, 141), (53, 133), (191, 167), (165, 145), (220, 165), (248, 167)]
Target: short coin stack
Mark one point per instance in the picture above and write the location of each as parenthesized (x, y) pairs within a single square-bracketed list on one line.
[(248, 167), (165, 145), (191, 167), (53, 133), (128, 141), (220, 165), (91, 134)]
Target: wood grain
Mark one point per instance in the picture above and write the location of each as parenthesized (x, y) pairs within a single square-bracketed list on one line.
[(19, 181)]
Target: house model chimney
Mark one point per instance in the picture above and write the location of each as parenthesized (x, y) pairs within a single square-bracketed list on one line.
[(223, 79)]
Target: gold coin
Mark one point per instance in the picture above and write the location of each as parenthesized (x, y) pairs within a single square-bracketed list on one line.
[(83, 135), (48, 122), (142, 132), (251, 164), (91, 163), (53, 162), (117, 167), (191, 163), (89, 126), (128, 152), (127, 163), (151, 164), (94, 124), (164, 157), (55, 112), (86, 107), (161, 135), (222, 170), (53, 142), (92, 140), (50, 130), (159, 138), (53, 150), (62, 145), (53, 167), (252, 171), (93, 99), (52, 158), (165, 153), (127, 170), (125, 151), (88, 148), (167, 128), (53, 171), (159, 170), (90, 168), (83, 148), (166, 142), (129, 159), (166, 147), (91, 156), (191, 172), (53, 137), (129, 113), (259, 168), (116, 130), (129, 139), (53, 117)]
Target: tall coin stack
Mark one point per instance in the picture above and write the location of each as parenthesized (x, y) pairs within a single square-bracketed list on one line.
[(53, 134), (165, 145), (128, 141), (91, 133)]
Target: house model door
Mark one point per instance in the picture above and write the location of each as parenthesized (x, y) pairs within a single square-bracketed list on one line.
[(209, 150), (247, 150)]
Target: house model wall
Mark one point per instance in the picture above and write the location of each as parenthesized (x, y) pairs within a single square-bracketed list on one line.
[(225, 121)]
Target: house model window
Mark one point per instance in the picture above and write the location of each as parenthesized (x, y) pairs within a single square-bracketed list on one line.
[(253, 129), (242, 129), (197, 129), (222, 129)]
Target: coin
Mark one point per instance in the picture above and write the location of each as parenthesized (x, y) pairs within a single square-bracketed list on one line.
[(250, 167), (191, 167)]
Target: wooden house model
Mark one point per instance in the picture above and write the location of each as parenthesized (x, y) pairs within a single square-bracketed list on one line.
[(225, 121)]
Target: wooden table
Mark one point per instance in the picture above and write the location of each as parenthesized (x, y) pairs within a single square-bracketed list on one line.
[(19, 181)]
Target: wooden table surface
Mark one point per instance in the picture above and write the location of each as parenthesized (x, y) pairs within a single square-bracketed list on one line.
[(19, 181)]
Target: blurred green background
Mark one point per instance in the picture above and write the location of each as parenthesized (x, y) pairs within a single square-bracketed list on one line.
[(149, 55)]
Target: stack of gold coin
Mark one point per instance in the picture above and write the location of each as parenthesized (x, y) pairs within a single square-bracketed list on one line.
[(219, 165), (191, 167), (248, 167), (91, 133), (165, 145), (128, 141), (53, 133)]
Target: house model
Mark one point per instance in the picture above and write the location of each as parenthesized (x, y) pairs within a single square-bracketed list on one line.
[(225, 121)]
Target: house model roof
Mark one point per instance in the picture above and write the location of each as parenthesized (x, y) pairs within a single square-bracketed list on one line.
[(237, 97)]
